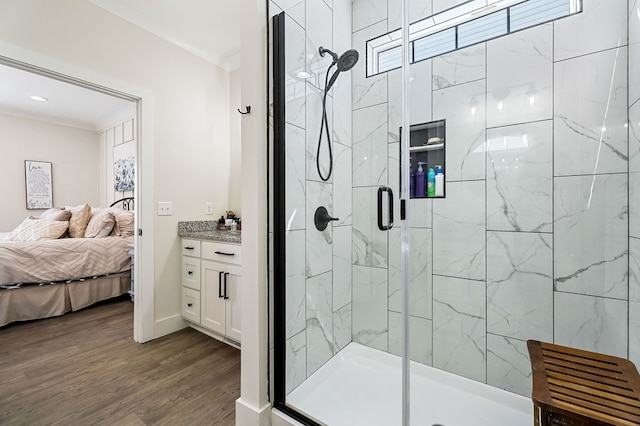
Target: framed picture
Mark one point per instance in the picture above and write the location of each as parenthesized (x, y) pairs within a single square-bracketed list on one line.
[(39, 184), (124, 163)]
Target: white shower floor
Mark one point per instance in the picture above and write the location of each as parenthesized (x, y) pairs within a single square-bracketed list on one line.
[(362, 386)]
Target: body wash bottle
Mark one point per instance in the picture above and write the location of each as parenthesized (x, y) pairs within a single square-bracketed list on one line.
[(420, 180), (439, 182)]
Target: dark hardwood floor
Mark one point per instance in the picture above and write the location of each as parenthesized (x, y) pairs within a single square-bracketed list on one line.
[(84, 368)]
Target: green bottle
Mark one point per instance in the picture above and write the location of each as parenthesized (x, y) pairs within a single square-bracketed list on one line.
[(431, 183)]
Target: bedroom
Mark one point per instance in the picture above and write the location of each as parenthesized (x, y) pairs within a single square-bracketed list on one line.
[(73, 133), (187, 106)]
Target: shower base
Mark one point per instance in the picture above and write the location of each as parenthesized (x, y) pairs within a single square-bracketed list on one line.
[(362, 386)]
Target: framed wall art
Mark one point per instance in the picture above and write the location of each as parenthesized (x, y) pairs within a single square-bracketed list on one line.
[(39, 184)]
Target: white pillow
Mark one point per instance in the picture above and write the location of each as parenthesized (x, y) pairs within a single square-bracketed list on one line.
[(32, 229), (100, 225)]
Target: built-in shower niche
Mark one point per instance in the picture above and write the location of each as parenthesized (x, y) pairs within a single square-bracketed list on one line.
[(427, 144)]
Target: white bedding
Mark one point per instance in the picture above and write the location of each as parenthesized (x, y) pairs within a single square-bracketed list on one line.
[(62, 259)]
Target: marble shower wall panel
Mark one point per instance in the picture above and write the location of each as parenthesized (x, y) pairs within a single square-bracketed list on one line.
[(370, 245), (295, 177), (294, 9), (420, 335), (342, 243), (459, 67), (369, 316), (319, 299), (520, 285), (575, 37), (370, 146), (295, 289), (342, 328), (595, 324), (591, 113), (296, 353), (342, 88), (313, 126), (634, 269), (368, 12), (520, 77), (372, 90), (520, 177), (459, 235), (420, 272), (319, 32), (295, 62), (590, 238), (634, 134), (319, 244), (342, 184), (418, 9), (508, 365), (459, 327), (419, 98), (463, 108), (634, 332)]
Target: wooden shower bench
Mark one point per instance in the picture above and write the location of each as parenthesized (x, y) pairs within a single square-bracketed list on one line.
[(572, 387)]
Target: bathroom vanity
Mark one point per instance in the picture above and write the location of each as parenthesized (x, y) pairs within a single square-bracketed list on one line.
[(211, 279)]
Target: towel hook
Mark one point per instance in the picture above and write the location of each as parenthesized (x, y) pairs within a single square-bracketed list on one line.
[(248, 110)]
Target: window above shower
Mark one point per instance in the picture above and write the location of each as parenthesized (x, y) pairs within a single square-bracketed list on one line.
[(469, 23)]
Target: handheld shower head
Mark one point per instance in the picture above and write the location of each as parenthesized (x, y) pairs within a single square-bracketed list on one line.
[(346, 61)]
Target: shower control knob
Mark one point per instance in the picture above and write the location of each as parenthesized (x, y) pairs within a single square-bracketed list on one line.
[(322, 218)]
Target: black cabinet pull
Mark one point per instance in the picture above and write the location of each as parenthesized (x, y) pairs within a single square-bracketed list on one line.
[(225, 285), (188, 248), (220, 295), (189, 304), (224, 254), (190, 272)]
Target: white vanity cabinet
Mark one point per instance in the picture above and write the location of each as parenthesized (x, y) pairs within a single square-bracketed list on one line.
[(211, 279)]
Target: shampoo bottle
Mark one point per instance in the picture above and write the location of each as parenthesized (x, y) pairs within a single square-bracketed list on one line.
[(420, 181), (412, 181), (439, 182), (431, 183)]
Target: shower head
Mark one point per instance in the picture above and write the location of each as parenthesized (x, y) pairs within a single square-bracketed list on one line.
[(348, 60), (345, 62)]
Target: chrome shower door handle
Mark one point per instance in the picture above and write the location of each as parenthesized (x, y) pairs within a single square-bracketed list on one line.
[(389, 224)]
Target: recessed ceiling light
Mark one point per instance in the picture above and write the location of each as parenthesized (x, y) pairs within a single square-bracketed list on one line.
[(38, 98), (304, 74)]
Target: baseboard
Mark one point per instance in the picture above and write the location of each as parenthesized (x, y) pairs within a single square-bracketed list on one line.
[(248, 415), (169, 325)]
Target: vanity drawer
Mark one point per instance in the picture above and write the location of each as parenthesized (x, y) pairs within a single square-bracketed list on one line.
[(220, 252), (191, 272), (190, 247), (191, 305)]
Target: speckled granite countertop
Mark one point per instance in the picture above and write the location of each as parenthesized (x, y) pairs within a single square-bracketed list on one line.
[(207, 230)]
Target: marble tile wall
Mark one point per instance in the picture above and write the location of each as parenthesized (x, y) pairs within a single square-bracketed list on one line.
[(319, 286), (537, 238), (634, 180)]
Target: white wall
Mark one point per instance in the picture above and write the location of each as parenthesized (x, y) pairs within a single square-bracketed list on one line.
[(190, 122), (72, 152), (117, 133), (235, 175)]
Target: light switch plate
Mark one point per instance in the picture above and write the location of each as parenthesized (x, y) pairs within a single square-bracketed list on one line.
[(208, 207), (165, 208)]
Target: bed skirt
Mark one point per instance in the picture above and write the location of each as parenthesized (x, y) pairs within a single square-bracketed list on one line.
[(43, 301)]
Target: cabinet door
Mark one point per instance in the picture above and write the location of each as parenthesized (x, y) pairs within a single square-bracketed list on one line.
[(233, 315), (212, 312)]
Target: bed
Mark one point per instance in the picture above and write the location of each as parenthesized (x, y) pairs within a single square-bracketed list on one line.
[(50, 277)]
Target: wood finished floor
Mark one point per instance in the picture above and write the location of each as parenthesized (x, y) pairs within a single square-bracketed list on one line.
[(84, 368)]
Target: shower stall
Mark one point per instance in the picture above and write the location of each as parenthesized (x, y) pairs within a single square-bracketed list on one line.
[(448, 179)]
